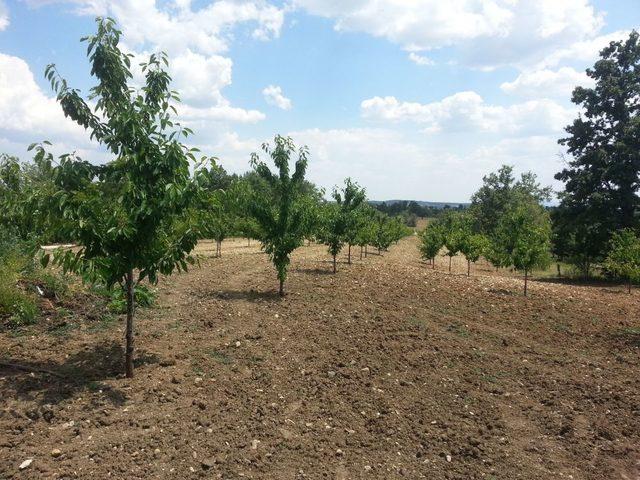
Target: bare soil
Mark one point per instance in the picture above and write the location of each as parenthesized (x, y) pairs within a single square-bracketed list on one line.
[(386, 370)]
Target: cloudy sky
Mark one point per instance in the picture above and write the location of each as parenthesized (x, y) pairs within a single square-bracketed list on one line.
[(414, 99)]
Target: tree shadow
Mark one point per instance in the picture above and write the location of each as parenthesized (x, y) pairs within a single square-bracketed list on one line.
[(610, 286), (51, 382), (314, 271), (250, 295)]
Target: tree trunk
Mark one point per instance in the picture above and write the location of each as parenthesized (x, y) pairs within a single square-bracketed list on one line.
[(433, 263), (559, 272), (450, 258), (349, 255), (131, 300), (366, 251), (248, 241), (334, 264), (629, 286), (361, 248), (526, 277), (281, 290), (468, 268)]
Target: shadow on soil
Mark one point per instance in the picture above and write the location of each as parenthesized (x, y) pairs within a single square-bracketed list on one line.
[(314, 271), (49, 382), (248, 295)]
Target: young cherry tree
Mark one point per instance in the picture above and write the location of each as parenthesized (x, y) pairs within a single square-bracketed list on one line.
[(452, 225), (473, 246), (624, 256), (279, 209), (331, 232), (523, 236), (431, 242), (129, 217), (341, 218)]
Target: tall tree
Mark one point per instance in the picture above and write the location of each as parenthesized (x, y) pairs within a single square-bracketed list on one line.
[(279, 208), (129, 215), (602, 177), (500, 192)]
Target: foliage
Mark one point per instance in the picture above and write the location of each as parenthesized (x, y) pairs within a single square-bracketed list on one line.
[(26, 190), (523, 238), (431, 241), (130, 214), (602, 177), (341, 219), (500, 193), (279, 209), (474, 246), (623, 258)]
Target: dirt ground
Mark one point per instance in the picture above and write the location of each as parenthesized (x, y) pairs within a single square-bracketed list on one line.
[(387, 370)]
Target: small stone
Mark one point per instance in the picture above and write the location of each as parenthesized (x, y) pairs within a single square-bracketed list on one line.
[(25, 464), (56, 452), (238, 343), (254, 444), (208, 463), (331, 373), (367, 468), (339, 452), (448, 457), (197, 380)]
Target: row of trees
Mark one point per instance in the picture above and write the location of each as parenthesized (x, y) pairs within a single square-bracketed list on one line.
[(139, 215), (506, 224), (597, 223)]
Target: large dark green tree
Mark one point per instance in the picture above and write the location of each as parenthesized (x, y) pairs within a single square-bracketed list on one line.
[(279, 208), (129, 216), (602, 177)]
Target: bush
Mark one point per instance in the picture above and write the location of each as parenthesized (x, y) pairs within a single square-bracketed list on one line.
[(17, 305)]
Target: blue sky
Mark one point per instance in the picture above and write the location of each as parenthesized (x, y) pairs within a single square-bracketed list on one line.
[(412, 98)]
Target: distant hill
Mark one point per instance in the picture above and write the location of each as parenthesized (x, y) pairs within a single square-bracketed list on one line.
[(422, 203)]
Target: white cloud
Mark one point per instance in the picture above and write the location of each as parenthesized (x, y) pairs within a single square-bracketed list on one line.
[(420, 59), (25, 111), (195, 39), (583, 51), (467, 112), (273, 96), (547, 83), (487, 33), (206, 30), (4, 16)]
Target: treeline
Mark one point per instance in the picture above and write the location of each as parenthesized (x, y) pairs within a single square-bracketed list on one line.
[(596, 226), (411, 210), (505, 223)]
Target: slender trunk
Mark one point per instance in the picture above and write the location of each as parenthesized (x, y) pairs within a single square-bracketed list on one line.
[(334, 264), (468, 268), (349, 255), (629, 286), (450, 257), (361, 249), (308, 242), (526, 277), (281, 290), (366, 251), (379, 251), (433, 263), (248, 241), (559, 272), (131, 300)]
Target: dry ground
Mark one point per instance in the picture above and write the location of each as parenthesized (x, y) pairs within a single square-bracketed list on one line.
[(386, 370)]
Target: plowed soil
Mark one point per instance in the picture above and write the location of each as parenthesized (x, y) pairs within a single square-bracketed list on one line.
[(386, 370)]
